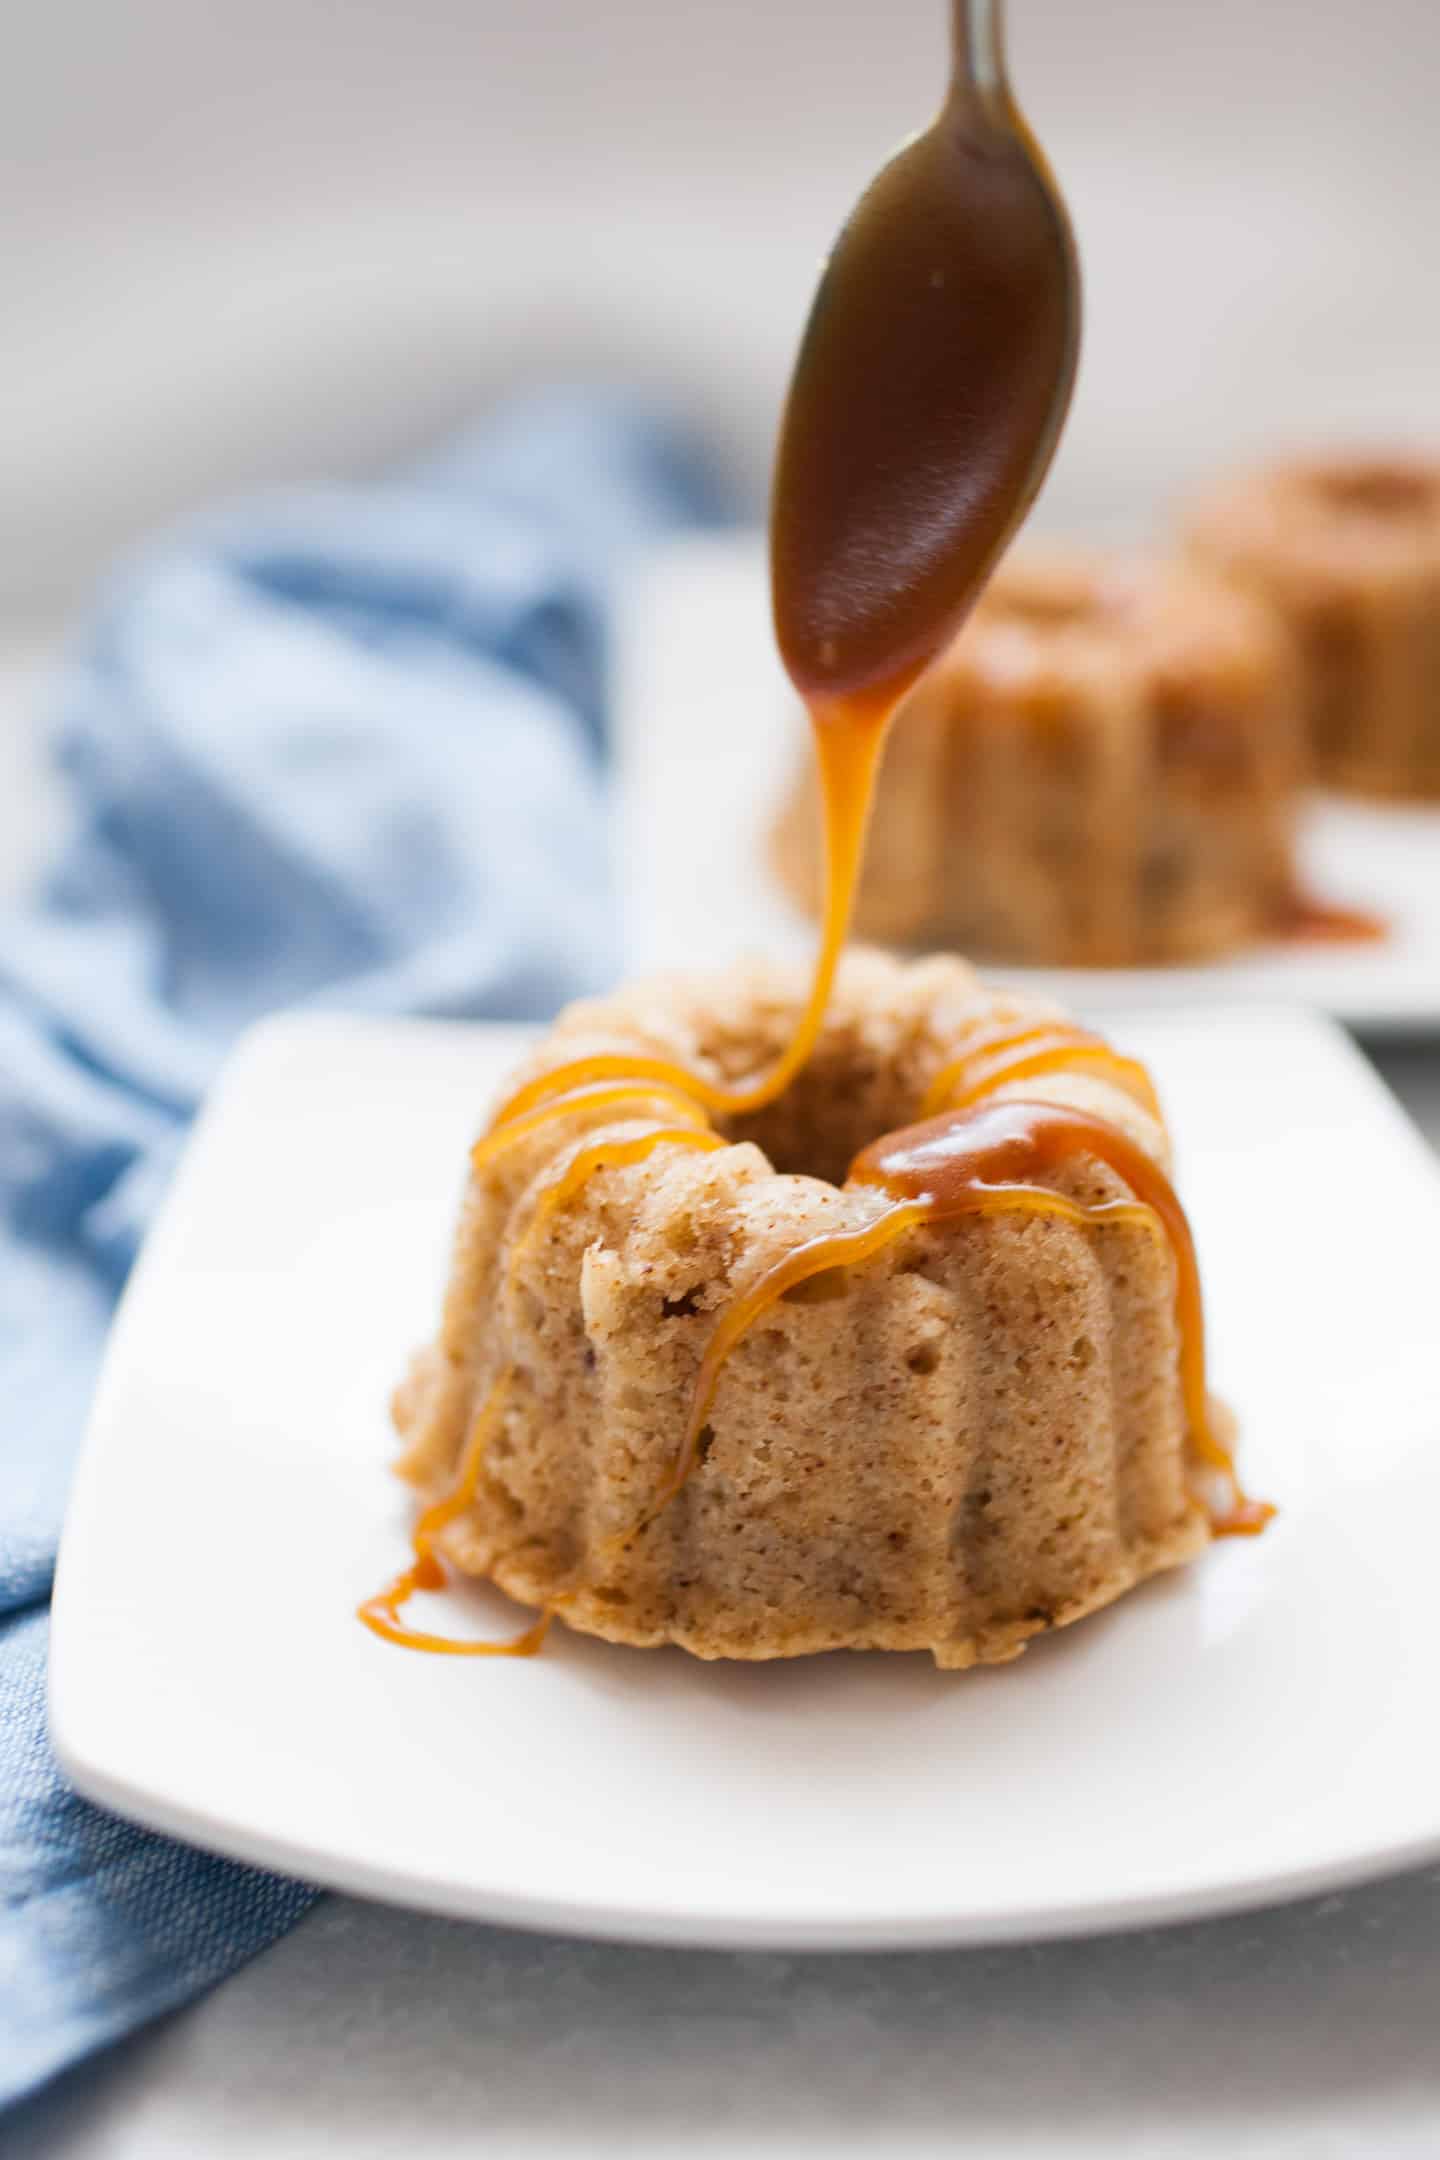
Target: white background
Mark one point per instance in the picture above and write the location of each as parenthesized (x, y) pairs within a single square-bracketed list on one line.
[(245, 240)]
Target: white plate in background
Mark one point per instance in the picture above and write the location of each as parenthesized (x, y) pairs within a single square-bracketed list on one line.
[(709, 735), (1257, 1726)]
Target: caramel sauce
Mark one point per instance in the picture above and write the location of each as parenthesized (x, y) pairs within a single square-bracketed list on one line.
[(926, 402), (381, 1613), (624, 1080), (985, 1162), (1302, 919), (848, 745), (993, 1057)]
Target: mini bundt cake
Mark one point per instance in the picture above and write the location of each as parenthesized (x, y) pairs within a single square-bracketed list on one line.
[(981, 1432), (1101, 771), (1347, 549)]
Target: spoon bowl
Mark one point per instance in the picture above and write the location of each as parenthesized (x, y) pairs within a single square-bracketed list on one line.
[(931, 387)]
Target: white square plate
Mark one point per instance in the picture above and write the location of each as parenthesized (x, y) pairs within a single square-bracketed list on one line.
[(1258, 1725), (710, 736)]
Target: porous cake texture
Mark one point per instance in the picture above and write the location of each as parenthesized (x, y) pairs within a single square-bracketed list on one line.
[(1102, 770), (974, 1436)]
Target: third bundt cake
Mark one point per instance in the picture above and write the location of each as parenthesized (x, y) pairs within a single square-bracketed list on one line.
[(1102, 771), (1347, 549), (694, 1385)]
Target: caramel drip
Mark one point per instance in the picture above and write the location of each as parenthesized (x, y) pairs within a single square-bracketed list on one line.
[(849, 738), (837, 1249), (629, 1082), (1302, 919), (1005, 1146), (998, 1056), (977, 1163), (381, 1613)]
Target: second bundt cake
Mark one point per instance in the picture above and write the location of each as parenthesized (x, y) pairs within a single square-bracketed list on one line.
[(1347, 549), (945, 1435), (1102, 771)]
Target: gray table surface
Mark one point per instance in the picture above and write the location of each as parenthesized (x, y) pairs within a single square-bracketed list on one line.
[(1310, 2031)]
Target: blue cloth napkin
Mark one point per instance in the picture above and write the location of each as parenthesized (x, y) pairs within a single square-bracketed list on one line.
[(340, 748)]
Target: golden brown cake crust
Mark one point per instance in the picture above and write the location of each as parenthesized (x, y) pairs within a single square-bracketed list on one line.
[(975, 1436), (1346, 549), (1102, 771)]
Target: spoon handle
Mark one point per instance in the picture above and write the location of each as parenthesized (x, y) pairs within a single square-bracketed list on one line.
[(978, 45)]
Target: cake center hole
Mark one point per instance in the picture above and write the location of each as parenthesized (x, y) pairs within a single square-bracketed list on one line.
[(845, 1098)]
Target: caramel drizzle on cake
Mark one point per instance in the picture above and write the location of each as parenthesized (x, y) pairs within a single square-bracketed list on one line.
[(849, 755), (995, 1057), (381, 1613), (986, 1162), (978, 1156)]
